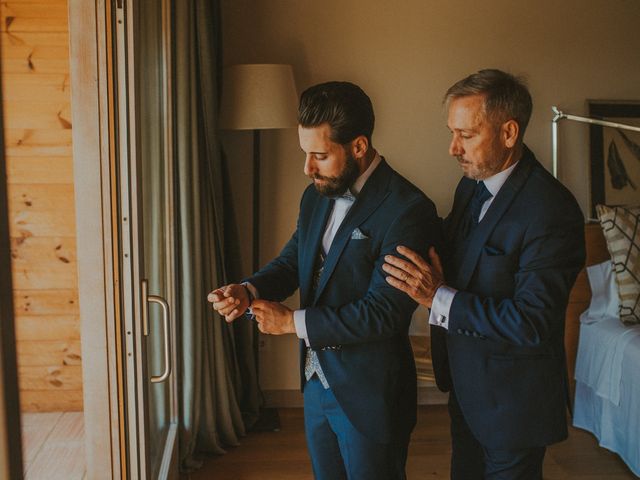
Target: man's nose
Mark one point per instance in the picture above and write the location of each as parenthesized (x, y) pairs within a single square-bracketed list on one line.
[(454, 148), (309, 166)]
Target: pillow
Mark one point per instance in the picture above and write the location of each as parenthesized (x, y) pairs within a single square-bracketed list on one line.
[(621, 227), (604, 293)]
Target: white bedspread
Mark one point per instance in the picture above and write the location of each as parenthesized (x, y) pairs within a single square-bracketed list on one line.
[(607, 401), (600, 355)]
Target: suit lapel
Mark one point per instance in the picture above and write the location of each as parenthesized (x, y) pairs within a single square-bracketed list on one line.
[(373, 193), (498, 207), (311, 245)]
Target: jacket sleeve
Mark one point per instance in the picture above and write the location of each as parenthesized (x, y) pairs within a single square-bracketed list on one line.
[(384, 311), (278, 280), (545, 268)]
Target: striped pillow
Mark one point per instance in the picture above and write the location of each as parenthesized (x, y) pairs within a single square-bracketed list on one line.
[(621, 226)]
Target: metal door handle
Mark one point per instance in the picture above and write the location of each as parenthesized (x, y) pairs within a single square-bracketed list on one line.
[(167, 325)]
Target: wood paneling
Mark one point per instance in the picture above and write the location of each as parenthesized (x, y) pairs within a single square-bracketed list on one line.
[(49, 16), (43, 262), (41, 210), (45, 302), (36, 87), (46, 170), (40, 353), (65, 377), (51, 400), (30, 142), (35, 53), (47, 328), (37, 120), (50, 115)]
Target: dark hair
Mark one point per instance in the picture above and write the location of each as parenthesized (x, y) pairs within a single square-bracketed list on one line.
[(506, 97), (343, 105)]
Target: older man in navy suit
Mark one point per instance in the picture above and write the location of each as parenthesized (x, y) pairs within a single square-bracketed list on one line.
[(356, 366), (514, 246)]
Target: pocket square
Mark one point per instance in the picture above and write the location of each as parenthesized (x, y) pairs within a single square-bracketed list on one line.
[(493, 251), (358, 235)]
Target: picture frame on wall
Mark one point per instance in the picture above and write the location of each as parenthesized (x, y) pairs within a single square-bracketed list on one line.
[(614, 154)]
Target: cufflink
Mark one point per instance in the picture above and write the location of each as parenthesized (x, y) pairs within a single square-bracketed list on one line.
[(442, 320)]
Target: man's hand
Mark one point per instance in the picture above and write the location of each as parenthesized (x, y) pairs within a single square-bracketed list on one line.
[(273, 318), (231, 301), (416, 278)]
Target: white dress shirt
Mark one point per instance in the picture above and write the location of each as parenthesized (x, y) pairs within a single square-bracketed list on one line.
[(341, 207), (443, 298)]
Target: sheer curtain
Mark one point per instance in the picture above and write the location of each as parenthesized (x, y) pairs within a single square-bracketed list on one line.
[(217, 385)]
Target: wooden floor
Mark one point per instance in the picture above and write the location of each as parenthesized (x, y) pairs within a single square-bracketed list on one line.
[(282, 455), (53, 446)]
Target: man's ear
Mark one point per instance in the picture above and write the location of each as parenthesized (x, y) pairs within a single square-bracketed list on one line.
[(359, 146), (509, 131)]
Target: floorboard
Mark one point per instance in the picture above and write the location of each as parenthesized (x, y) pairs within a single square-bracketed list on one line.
[(282, 455), (53, 446)]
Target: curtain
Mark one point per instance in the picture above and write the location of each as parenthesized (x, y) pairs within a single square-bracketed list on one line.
[(218, 392)]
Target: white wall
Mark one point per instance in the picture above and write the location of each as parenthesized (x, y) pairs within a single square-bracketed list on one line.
[(405, 55)]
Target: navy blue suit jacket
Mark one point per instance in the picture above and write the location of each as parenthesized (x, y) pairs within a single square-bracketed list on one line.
[(504, 349), (372, 371)]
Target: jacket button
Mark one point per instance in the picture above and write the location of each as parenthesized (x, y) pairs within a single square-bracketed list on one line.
[(460, 331)]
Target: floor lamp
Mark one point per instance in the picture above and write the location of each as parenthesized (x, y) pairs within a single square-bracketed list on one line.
[(258, 97)]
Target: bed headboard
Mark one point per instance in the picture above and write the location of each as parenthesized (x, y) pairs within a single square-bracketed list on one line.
[(581, 296)]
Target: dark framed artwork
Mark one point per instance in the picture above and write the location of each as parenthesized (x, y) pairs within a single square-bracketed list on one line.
[(615, 154)]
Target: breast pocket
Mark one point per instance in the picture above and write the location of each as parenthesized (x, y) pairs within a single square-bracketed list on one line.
[(496, 271), (359, 257)]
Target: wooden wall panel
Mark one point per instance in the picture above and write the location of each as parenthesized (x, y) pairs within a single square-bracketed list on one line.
[(48, 327), (46, 302), (46, 263), (35, 53), (42, 210), (46, 170), (27, 142), (51, 401), (37, 120)]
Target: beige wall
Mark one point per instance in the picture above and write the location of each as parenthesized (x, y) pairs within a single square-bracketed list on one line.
[(405, 55)]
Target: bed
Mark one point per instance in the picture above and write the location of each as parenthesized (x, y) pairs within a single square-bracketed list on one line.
[(605, 377)]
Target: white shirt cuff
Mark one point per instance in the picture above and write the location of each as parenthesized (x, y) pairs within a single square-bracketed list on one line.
[(441, 306), (300, 322)]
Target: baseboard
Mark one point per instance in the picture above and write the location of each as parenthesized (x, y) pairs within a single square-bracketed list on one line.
[(427, 395)]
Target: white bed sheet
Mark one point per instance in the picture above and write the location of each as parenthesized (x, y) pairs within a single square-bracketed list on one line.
[(615, 424)]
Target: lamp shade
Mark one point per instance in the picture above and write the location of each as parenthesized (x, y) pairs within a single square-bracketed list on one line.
[(260, 96)]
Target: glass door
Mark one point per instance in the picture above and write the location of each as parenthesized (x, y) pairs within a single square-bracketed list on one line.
[(143, 125)]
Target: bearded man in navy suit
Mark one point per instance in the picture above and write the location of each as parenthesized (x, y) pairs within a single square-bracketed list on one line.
[(514, 246), (356, 365)]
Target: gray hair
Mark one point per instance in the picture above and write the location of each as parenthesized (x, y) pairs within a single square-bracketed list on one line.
[(506, 97)]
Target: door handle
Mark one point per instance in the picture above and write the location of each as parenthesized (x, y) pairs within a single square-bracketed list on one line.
[(167, 325)]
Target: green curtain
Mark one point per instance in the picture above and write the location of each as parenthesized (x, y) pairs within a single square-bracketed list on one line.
[(218, 390)]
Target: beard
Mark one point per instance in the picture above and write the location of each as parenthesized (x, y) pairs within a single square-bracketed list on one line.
[(493, 163), (334, 186)]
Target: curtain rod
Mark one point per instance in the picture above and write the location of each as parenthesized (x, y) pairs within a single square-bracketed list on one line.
[(559, 115)]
